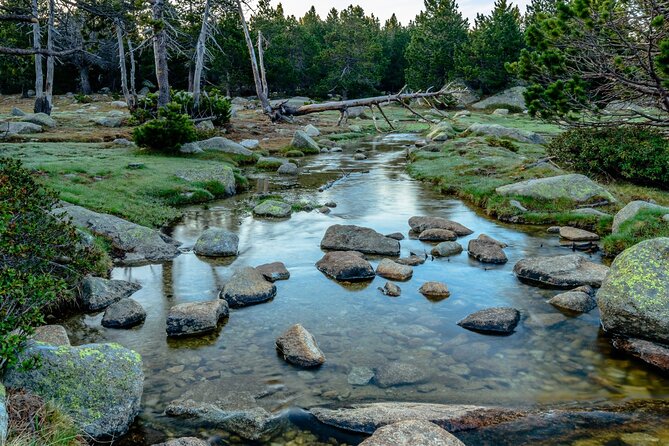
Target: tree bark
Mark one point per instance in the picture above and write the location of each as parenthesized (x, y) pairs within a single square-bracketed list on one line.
[(37, 48), (261, 62), (18, 18), (133, 88), (50, 59), (264, 100), (200, 54), (84, 80), (160, 52), (121, 61)]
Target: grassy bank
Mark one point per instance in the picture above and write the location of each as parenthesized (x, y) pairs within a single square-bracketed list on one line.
[(472, 167), (143, 187)]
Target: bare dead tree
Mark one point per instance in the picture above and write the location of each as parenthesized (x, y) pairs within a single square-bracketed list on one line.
[(50, 60), (200, 53), (37, 51), (121, 60), (262, 93), (160, 50)]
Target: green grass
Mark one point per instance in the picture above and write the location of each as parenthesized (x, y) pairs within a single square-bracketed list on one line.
[(645, 225), (97, 176)]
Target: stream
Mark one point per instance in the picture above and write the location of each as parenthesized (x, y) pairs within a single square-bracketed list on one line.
[(552, 359)]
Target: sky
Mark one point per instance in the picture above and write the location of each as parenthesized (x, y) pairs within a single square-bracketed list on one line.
[(405, 10)]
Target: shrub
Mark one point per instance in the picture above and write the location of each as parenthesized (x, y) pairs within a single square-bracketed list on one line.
[(500, 142), (636, 154), (168, 132), (213, 105), (83, 98), (42, 258)]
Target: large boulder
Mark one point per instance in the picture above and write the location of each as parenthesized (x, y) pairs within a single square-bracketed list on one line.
[(349, 266), (501, 320), (305, 143), (512, 96), (578, 300), (574, 187), (124, 314), (357, 238), (4, 417), (299, 347), (41, 119), (138, 243), (394, 271), (630, 211), (577, 235), (367, 418), (447, 249), (51, 334), (222, 174), (287, 169), (500, 131), (109, 121), (634, 298), (247, 286), (412, 433), (311, 130), (98, 293), (19, 128), (441, 132), (193, 318), (568, 271), (487, 250), (420, 224), (217, 242), (224, 145), (273, 209), (239, 415), (98, 385)]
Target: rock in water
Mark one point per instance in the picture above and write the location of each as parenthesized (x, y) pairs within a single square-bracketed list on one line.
[(634, 298), (412, 260), (360, 376), (367, 418), (420, 224), (52, 335), (349, 266), (193, 318), (124, 314), (630, 211), (487, 250), (287, 169), (305, 143), (299, 347), (398, 374), (273, 208), (412, 433), (574, 187), (394, 271), (447, 249), (577, 235), (98, 293), (499, 131), (247, 286), (568, 271), (390, 289), (98, 385), (578, 300), (357, 238), (217, 242), (434, 290), (501, 320), (139, 243), (654, 354), (274, 271), (437, 235), (184, 441)]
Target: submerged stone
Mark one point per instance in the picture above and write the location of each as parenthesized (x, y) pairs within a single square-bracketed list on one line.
[(501, 320), (398, 374)]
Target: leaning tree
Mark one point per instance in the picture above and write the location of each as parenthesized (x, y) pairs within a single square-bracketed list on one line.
[(595, 53)]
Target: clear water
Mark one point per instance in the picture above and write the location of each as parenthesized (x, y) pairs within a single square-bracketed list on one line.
[(551, 359)]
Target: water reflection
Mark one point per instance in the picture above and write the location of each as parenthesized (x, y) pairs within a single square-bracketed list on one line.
[(551, 358)]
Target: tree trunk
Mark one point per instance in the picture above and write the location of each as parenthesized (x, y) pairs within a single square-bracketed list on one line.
[(200, 50), (133, 87), (84, 80), (50, 60), (37, 47), (160, 52), (264, 100), (261, 62), (121, 61)]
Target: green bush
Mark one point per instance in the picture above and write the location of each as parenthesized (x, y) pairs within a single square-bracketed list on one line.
[(42, 258), (636, 154), (213, 105), (168, 132)]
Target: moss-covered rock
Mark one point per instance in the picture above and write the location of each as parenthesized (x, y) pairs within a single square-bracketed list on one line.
[(99, 385), (441, 132), (634, 298), (270, 163), (573, 187), (305, 143), (273, 208)]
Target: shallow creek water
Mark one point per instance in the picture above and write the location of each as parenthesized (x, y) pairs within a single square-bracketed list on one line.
[(551, 359)]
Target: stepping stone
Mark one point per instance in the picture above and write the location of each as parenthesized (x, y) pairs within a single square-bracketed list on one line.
[(487, 250), (567, 271), (577, 235), (501, 320), (98, 293), (578, 300), (299, 347), (390, 289), (394, 271), (274, 271), (217, 242), (447, 249), (434, 290), (125, 313), (247, 286), (437, 235), (420, 224), (195, 317), (349, 266)]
